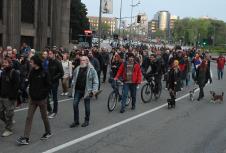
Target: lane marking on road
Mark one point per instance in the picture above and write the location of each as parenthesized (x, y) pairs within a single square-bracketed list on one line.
[(60, 101), (83, 138)]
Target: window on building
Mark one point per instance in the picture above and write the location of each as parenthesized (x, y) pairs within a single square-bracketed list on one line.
[(29, 40), (27, 11), (1, 40), (1, 9)]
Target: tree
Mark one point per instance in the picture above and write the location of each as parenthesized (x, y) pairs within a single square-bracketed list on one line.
[(197, 31), (79, 21), (106, 29)]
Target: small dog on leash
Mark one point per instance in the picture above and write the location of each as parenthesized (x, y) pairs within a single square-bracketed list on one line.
[(191, 94), (216, 97)]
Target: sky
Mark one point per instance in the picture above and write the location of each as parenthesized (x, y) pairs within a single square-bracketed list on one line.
[(181, 8)]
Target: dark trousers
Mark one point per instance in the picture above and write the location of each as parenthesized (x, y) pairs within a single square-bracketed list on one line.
[(31, 111), (105, 69), (7, 112), (54, 90), (220, 73), (77, 97), (201, 92), (98, 74), (133, 92)]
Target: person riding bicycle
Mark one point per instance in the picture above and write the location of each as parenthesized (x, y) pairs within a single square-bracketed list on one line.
[(130, 72), (156, 71)]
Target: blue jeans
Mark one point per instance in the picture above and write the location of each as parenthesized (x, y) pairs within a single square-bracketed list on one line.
[(220, 73), (133, 92), (54, 90), (77, 97)]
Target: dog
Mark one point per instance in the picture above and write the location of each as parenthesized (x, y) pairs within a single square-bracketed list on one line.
[(216, 97), (191, 94)]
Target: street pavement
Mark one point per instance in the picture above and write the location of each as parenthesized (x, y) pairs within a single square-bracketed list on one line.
[(193, 127)]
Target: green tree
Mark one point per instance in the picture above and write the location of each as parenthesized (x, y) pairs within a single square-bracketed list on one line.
[(79, 21), (196, 31), (106, 29)]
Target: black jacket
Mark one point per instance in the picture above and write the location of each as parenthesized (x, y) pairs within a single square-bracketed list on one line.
[(39, 82), (56, 71), (9, 84)]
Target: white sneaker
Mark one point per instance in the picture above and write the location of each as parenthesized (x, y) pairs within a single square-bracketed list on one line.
[(62, 94), (7, 133), (66, 93), (53, 115)]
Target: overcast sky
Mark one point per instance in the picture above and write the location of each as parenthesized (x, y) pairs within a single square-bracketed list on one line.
[(182, 8)]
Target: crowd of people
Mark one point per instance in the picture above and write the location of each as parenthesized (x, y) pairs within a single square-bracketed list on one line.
[(34, 77)]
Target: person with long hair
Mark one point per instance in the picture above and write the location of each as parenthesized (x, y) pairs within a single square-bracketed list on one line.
[(202, 77), (173, 83)]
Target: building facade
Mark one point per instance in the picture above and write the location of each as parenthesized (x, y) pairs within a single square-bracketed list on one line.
[(94, 23), (38, 23), (164, 20), (173, 19)]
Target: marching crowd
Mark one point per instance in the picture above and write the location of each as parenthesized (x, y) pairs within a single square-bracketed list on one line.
[(27, 76)]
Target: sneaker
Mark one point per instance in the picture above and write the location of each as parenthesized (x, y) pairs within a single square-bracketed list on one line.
[(73, 125), (14, 122), (7, 133), (122, 111), (62, 94), (66, 94), (85, 124), (23, 141), (133, 107), (46, 136), (51, 116)]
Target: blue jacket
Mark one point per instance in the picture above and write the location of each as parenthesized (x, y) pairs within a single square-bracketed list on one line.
[(92, 81)]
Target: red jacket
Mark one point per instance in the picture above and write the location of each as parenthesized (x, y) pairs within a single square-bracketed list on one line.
[(137, 75), (220, 63)]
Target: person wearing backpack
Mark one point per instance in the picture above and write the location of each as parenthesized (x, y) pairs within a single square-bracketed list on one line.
[(9, 85), (39, 87), (130, 71)]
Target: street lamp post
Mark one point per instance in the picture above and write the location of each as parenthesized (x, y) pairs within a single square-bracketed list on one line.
[(131, 21), (120, 21), (99, 24)]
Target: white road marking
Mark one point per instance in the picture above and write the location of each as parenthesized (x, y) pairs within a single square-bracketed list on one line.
[(60, 101), (83, 138)]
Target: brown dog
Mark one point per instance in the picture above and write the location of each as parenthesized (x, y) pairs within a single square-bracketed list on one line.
[(216, 97)]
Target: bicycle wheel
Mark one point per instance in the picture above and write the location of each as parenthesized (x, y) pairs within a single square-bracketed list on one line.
[(146, 93), (112, 101)]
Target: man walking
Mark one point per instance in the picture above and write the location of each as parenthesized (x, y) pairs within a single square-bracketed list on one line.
[(85, 84), (56, 73), (9, 85), (39, 89), (220, 66)]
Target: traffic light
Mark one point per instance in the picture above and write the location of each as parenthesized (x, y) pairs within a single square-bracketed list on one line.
[(138, 18)]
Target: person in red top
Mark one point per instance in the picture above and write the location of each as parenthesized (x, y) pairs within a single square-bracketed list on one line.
[(220, 66), (130, 72)]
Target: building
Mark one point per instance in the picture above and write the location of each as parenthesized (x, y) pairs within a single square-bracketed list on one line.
[(164, 20), (37, 22), (94, 23), (143, 25), (152, 27), (173, 19)]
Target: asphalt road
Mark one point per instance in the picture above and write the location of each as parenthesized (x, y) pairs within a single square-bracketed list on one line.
[(193, 127)]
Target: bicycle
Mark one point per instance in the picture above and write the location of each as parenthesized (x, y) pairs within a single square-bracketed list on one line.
[(149, 89), (115, 96)]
